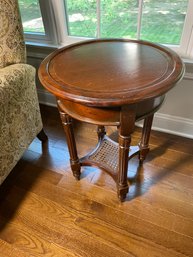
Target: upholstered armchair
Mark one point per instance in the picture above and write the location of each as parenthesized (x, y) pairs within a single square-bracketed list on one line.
[(20, 119)]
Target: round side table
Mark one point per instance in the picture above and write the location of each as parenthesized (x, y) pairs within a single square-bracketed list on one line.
[(110, 82)]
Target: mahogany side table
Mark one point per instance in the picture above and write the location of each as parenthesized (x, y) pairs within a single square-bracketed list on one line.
[(110, 82)]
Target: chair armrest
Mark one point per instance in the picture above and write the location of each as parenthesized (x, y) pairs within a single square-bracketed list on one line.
[(14, 80)]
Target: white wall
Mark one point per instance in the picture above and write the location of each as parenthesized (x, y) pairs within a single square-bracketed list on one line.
[(179, 101), (176, 114)]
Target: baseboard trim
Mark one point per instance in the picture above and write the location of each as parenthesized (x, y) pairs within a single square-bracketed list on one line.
[(162, 122), (172, 124)]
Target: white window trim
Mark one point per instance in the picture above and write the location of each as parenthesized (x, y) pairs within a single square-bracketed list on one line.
[(186, 44)]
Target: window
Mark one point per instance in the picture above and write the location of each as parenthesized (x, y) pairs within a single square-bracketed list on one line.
[(31, 16), (149, 20), (162, 21), (66, 21), (82, 18), (39, 21)]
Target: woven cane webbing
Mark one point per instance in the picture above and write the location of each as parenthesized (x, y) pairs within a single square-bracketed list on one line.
[(107, 154)]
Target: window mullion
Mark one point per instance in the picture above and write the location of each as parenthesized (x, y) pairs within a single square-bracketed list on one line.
[(49, 22), (60, 19), (190, 45), (98, 13), (139, 18), (186, 44)]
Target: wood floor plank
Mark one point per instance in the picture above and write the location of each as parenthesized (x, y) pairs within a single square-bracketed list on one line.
[(71, 236), (142, 209), (25, 239), (148, 177), (54, 214), (117, 218), (8, 250), (156, 215), (45, 212), (168, 187)]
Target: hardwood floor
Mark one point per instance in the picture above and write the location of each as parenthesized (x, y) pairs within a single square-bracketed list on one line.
[(44, 211)]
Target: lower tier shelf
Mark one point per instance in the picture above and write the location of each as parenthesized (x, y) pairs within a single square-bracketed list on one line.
[(106, 156)]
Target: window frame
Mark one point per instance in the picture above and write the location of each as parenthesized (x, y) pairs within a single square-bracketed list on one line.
[(56, 28), (48, 17)]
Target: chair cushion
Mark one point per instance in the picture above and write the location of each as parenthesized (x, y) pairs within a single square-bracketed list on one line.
[(12, 47)]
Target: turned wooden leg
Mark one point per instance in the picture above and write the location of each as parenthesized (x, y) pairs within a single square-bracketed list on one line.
[(127, 122), (144, 144), (42, 136), (74, 160), (101, 132), (122, 185)]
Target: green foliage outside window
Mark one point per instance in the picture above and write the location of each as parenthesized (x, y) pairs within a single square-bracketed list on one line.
[(31, 16), (162, 21)]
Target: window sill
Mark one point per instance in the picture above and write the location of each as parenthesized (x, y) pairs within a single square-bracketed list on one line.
[(39, 50), (189, 68)]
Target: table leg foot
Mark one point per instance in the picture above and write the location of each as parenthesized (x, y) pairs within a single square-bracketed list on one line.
[(75, 167), (122, 192), (142, 155)]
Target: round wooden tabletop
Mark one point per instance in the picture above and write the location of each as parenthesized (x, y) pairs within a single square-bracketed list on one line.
[(111, 72)]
